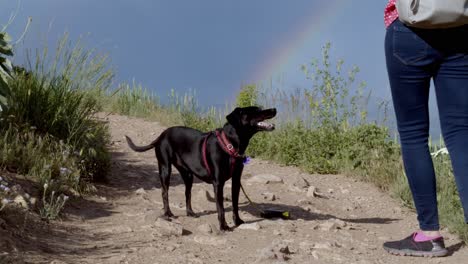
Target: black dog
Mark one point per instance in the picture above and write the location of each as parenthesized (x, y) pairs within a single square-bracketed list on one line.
[(213, 157)]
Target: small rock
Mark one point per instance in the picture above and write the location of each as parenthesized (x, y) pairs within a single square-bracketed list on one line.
[(325, 245), (277, 251), (344, 191), (269, 196), (306, 246), (19, 200), (205, 228), (285, 250), (312, 191), (292, 229), (301, 183), (210, 240), (169, 228), (170, 248), (252, 226), (277, 232), (331, 225), (303, 202), (265, 179), (178, 205), (266, 254), (340, 223), (17, 188), (151, 216), (33, 201), (296, 189), (140, 191)]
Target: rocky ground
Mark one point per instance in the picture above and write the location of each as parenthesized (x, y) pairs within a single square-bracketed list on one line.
[(334, 218)]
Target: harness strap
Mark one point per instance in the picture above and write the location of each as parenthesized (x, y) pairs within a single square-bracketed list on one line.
[(205, 160), (226, 146)]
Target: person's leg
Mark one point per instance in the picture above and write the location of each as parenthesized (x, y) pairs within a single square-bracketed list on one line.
[(451, 84), (410, 68), (411, 63)]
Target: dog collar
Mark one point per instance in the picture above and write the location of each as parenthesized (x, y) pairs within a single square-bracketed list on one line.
[(226, 145)]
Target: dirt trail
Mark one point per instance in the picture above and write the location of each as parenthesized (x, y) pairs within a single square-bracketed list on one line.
[(346, 224)]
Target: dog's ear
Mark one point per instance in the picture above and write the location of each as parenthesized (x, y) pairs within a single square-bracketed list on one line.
[(234, 118)]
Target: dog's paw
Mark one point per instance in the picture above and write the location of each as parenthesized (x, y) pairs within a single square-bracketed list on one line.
[(225, 228), (238, 221), (192, 214), (168, 215)]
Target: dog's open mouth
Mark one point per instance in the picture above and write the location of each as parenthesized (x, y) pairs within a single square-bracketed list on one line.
[(265, 125)]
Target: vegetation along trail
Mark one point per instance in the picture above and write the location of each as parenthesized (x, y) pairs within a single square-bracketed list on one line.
[(335, 219)]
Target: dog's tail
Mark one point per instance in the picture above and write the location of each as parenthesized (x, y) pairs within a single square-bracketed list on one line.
[(139, 148)]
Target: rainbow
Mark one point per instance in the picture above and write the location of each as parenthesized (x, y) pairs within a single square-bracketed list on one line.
[(309, 28)]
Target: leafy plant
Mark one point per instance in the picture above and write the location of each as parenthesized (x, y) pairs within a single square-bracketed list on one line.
[(247, 96), (52, 207), (330, 100)]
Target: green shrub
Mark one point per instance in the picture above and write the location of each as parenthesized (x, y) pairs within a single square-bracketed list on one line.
[(247, 96), (60, 100)]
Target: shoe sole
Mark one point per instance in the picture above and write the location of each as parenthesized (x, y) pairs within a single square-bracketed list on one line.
[(407, 252)]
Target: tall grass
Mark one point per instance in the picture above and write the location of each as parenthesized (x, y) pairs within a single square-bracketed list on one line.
[(50, 129), (135, 100)]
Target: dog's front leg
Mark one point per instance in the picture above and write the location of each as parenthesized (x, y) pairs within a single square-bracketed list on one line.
[(235, 199), (218, 190)]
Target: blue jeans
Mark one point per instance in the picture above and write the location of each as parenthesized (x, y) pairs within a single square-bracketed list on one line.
[(414, 57)]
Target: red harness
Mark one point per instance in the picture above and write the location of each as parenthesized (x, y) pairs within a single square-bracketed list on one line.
[(223, 141)]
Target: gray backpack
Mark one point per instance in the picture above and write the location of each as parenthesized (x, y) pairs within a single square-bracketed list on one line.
[(433, 13)]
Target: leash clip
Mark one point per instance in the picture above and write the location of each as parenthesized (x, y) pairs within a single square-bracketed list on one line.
[(230, 147)]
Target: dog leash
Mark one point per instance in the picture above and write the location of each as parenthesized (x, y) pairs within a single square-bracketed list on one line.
[(250, 201), (266, 213)]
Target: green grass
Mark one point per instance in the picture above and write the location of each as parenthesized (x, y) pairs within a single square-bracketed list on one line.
[(134, 100)]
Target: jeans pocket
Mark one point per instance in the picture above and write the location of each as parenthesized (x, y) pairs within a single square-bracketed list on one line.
[(408, 47)]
